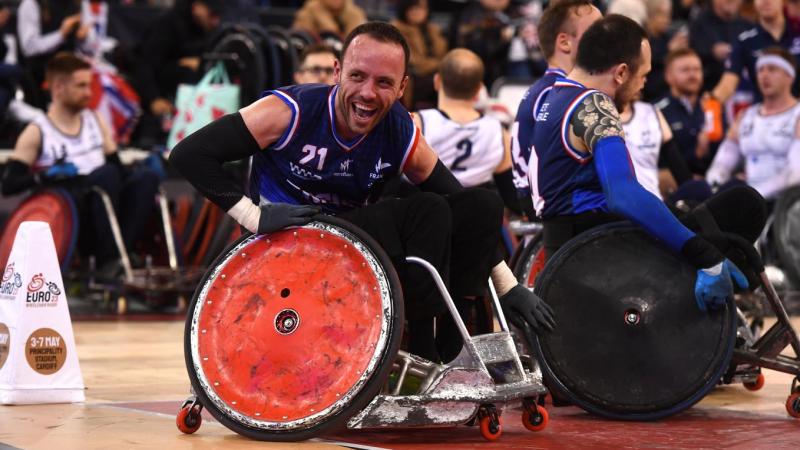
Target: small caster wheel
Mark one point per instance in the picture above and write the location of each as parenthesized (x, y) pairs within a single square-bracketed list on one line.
[(535, 419), (793, 405), (491, 426), (189, 419), (755, 385)]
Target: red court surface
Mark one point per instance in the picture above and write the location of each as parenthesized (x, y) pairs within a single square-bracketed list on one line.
[(570, 427)]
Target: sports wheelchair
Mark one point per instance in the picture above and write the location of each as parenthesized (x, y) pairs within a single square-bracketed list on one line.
[(297, 333)]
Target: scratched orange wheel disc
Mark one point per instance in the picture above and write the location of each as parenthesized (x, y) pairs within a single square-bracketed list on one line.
[(292, 333)]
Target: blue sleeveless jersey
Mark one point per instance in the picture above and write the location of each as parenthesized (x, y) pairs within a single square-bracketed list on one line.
[(312, 164), (563, 179), (523, 127)]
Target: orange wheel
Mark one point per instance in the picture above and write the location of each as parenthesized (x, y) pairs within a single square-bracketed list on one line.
[(793, 405), (536, 267), (535, 421), (491, 428), (54, 206), (755, 385), (188, 420), (290, 334)]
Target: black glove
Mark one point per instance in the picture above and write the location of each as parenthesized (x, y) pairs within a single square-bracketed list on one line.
[(276, 216), (521, 304)]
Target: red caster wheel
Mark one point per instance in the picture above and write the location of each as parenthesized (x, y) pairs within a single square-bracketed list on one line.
[(535, 419), (793, 405), (491, 426), (188, 419), (755, 385)]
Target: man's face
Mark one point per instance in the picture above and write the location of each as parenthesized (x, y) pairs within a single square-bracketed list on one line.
[(317, 68), (581, 19), (685, 75), (204, 17), (630, 89), (74, 91), (773, 81), (371, 78), (768, 9)]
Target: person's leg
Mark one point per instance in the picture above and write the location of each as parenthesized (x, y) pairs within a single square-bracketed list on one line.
[(415, 226), (137, 202), (737, 209), (109, 178), (477, 218)]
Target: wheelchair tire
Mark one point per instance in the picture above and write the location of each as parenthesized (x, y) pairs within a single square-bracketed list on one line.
[(530, 262), (57, 208), (290, 334), (787, 233), (631, 342)]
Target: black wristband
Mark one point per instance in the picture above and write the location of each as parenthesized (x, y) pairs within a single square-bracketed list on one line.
[(505, 186), (441, 181), (701, 253), (199, 158)]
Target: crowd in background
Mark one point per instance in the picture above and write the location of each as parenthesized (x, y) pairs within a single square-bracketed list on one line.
[(146, 48)]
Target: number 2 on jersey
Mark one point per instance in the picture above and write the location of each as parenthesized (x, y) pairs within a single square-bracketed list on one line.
[(465, 148), (312, 152)]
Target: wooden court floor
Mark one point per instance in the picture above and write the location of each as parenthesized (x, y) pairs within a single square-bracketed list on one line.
[(136, 379)]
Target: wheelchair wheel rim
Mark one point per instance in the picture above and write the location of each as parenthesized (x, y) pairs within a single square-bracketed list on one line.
[(631, 353), (312, 369)]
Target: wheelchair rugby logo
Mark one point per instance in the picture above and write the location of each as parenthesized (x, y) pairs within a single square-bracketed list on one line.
[(12, 281), (42, 293)]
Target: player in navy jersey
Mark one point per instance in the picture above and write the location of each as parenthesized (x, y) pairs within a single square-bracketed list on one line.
[(560, 30), (584, 176), (317, 147)]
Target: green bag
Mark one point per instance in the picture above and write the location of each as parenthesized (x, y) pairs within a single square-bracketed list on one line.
[(200, 104)]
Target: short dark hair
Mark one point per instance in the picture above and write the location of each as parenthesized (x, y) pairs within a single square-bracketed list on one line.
[(554, 21), (461, 79), (64, 64), (678, 54), (382, 32), (612, 40), (780, 52), (313, 49)]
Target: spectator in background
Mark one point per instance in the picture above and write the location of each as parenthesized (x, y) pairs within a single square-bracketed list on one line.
[(46, 27), (525, 58), (662, 41), (770, 31), (329, 16), (485, 28), (71, 147), (685, 10), (682, 109), (766, 137), (712, 34), (171, 53), (316, 65), (633, 9), (428, 46)]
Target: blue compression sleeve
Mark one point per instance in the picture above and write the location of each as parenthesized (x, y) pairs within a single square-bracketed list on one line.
[(626, 197)]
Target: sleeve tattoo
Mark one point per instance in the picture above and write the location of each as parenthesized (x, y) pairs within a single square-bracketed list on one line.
[(595, 118)]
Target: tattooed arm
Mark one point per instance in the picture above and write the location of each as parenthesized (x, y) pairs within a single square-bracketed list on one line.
[(595, 128), (595, 118)]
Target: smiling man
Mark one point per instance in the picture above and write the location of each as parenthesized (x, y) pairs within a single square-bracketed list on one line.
[(317, 147)]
